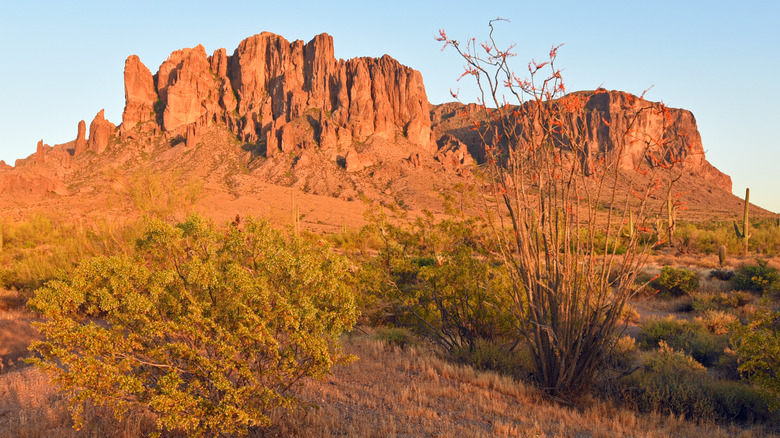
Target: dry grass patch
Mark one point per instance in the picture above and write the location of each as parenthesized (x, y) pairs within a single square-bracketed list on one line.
[(389, 392), (411, 392)]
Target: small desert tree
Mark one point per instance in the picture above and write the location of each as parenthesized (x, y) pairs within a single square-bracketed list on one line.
[(207, 328), (567, 218)]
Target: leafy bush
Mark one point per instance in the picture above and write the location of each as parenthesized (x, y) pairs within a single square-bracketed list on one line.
[(676, 282), (690, 337), (208, 329), (436, 278), (673, 382), (757, 278), (758, 346)]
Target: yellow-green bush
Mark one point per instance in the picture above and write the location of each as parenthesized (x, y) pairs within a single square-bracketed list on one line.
[(676, 282), (206, 328)]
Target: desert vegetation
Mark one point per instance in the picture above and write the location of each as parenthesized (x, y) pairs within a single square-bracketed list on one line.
[(559, 296)]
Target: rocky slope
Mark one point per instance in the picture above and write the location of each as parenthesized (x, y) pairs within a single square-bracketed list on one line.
[(291, 114)]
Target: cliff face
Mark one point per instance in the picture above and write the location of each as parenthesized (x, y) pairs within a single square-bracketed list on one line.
[(597, 121), (603, 118), (277, 96), (269, 82)]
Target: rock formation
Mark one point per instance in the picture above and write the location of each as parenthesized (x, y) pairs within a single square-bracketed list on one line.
[(140, 95), (40, 153), (269, 83), (81, 141), (597, 122), (452, 152), (100, 131)]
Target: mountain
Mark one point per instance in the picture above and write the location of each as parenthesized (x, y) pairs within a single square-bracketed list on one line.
[(287, 114)]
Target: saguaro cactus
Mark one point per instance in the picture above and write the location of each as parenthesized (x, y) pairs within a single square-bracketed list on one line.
[(722, 254), (745, 233)]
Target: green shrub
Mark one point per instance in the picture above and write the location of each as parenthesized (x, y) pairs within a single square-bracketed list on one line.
[(757, 278), (758, 347), (690, 337), (673, 382), (206, 328), (676, 282), (435, 278), (396, 336), (497, 355)]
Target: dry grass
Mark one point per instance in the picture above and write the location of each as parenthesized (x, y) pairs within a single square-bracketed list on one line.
[(388, 392), (410, 392)]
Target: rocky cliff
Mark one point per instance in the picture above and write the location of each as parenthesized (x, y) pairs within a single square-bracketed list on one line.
[(267, 83), (598, 122), (346, 128)]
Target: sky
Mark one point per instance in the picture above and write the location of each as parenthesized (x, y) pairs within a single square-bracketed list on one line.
[(63, 61)]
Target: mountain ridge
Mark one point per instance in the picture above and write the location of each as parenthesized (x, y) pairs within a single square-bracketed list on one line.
[(293, 115)]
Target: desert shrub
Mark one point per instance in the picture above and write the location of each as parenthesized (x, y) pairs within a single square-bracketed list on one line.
[(716, 321), (722, 274), (758, 346), (396, 336), (497, 355), (629, 314), (671, 381), (676, 282), (757, 278), (207, 328), (690, 337), (720, 301), (40, 247), (436, 277)]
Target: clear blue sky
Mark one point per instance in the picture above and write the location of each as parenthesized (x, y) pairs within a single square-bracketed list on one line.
[(63, 61)]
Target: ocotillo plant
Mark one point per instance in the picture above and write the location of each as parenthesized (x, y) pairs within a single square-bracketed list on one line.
[(745, 233)]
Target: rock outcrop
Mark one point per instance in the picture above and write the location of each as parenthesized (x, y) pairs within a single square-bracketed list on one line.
[(597, 122), (269, 83), (140, 95), (81, 140), (40, 153), (100, 131)]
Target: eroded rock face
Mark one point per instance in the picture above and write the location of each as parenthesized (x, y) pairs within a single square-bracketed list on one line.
[(100, 131), (140, 95), (269, 82), (597, 122), (604, 117)]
